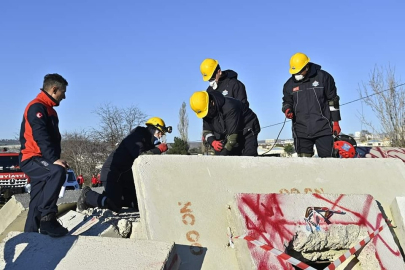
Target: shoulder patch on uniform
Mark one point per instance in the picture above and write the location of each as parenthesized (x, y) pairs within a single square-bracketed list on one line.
[(296, 89), (39, 115)]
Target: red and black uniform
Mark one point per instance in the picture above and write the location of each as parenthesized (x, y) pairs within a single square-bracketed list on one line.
[(80, 180), (94, 181), (39, 134), (40, 148)]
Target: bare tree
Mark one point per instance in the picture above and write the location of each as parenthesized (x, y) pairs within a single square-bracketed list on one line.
[(183, 123), (83, 153), (116, 123), (387, 100)]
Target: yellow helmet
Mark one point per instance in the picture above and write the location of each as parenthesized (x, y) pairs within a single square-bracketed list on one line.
[(199, 103), (159, 124), (297, 62), (207, 68)]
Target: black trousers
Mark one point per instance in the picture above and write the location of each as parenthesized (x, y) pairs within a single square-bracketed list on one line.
[(324, 145), (118, 187), (46, 181), (247, 146)]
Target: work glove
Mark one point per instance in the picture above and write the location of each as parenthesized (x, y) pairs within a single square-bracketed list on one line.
[(289, 114), (217, 145), (162, 147), (336, 128)]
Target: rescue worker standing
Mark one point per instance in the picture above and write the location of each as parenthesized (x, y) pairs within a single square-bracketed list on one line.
[(80, 180), (229, 126), (310, 99), (116, 172), (40, 157), (225, 82), (94, 181)]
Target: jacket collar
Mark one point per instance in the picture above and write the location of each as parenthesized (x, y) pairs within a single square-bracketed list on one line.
[(45, 98)]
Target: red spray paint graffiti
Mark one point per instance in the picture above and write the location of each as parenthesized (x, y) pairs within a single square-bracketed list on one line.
[(268, 220), (381, 152)]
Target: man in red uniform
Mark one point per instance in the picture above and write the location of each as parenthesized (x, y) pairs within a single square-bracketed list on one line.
[(99, 181), (94, 181), (80, 180), (40, 157)]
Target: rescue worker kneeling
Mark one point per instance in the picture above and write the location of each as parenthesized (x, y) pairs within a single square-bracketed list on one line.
[(229, 126), (116, 173)]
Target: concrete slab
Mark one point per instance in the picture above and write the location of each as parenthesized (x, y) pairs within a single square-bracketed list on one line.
[(279, 220), (14, 213), (186, 199), (36, 251)]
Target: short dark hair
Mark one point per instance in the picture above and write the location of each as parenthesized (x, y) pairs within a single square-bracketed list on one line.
[(54, 79), (214, 74)]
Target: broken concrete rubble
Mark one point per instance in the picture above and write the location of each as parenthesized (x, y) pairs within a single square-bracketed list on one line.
[(279, 220), (195, 212), (109, 224), (331, 243), (195, 203)]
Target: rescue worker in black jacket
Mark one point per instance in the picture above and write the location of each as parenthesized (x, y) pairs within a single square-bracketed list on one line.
[(40, 157), (226, 82), (310, 99), (116, 172), (229, 126)]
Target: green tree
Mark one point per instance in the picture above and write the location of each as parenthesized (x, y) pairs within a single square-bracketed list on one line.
[(196, 150), (183, 122), (179, 147), (289, 149)]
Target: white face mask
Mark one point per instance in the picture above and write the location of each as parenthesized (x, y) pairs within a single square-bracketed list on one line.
[(214, 84), (299, 77), (157, 137)]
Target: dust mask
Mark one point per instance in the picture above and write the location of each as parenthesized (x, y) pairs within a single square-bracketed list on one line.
[(214, 84), (299, 77)]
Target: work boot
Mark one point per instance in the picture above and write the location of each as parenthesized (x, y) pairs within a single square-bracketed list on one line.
[(109, 204), (81, 202), (50, 226)]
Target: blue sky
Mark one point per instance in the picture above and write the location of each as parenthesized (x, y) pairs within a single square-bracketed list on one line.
[(147, 53)]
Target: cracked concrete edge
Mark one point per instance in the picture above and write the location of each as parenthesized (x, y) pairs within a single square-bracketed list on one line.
[(14, 213), (398, 214), (11, 212), (68, 250)]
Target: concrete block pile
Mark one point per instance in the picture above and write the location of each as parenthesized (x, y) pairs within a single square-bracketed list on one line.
[(208, 212), (193, 205), (314, 229)]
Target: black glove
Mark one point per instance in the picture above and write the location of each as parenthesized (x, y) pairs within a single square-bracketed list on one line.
[(224, 152)]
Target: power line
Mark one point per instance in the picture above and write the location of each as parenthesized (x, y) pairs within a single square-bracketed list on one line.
[(345, 103), (276, 124)]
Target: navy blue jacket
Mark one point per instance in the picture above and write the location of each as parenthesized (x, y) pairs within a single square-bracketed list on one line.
[(309, 100), (138, 141), (230, 86)]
